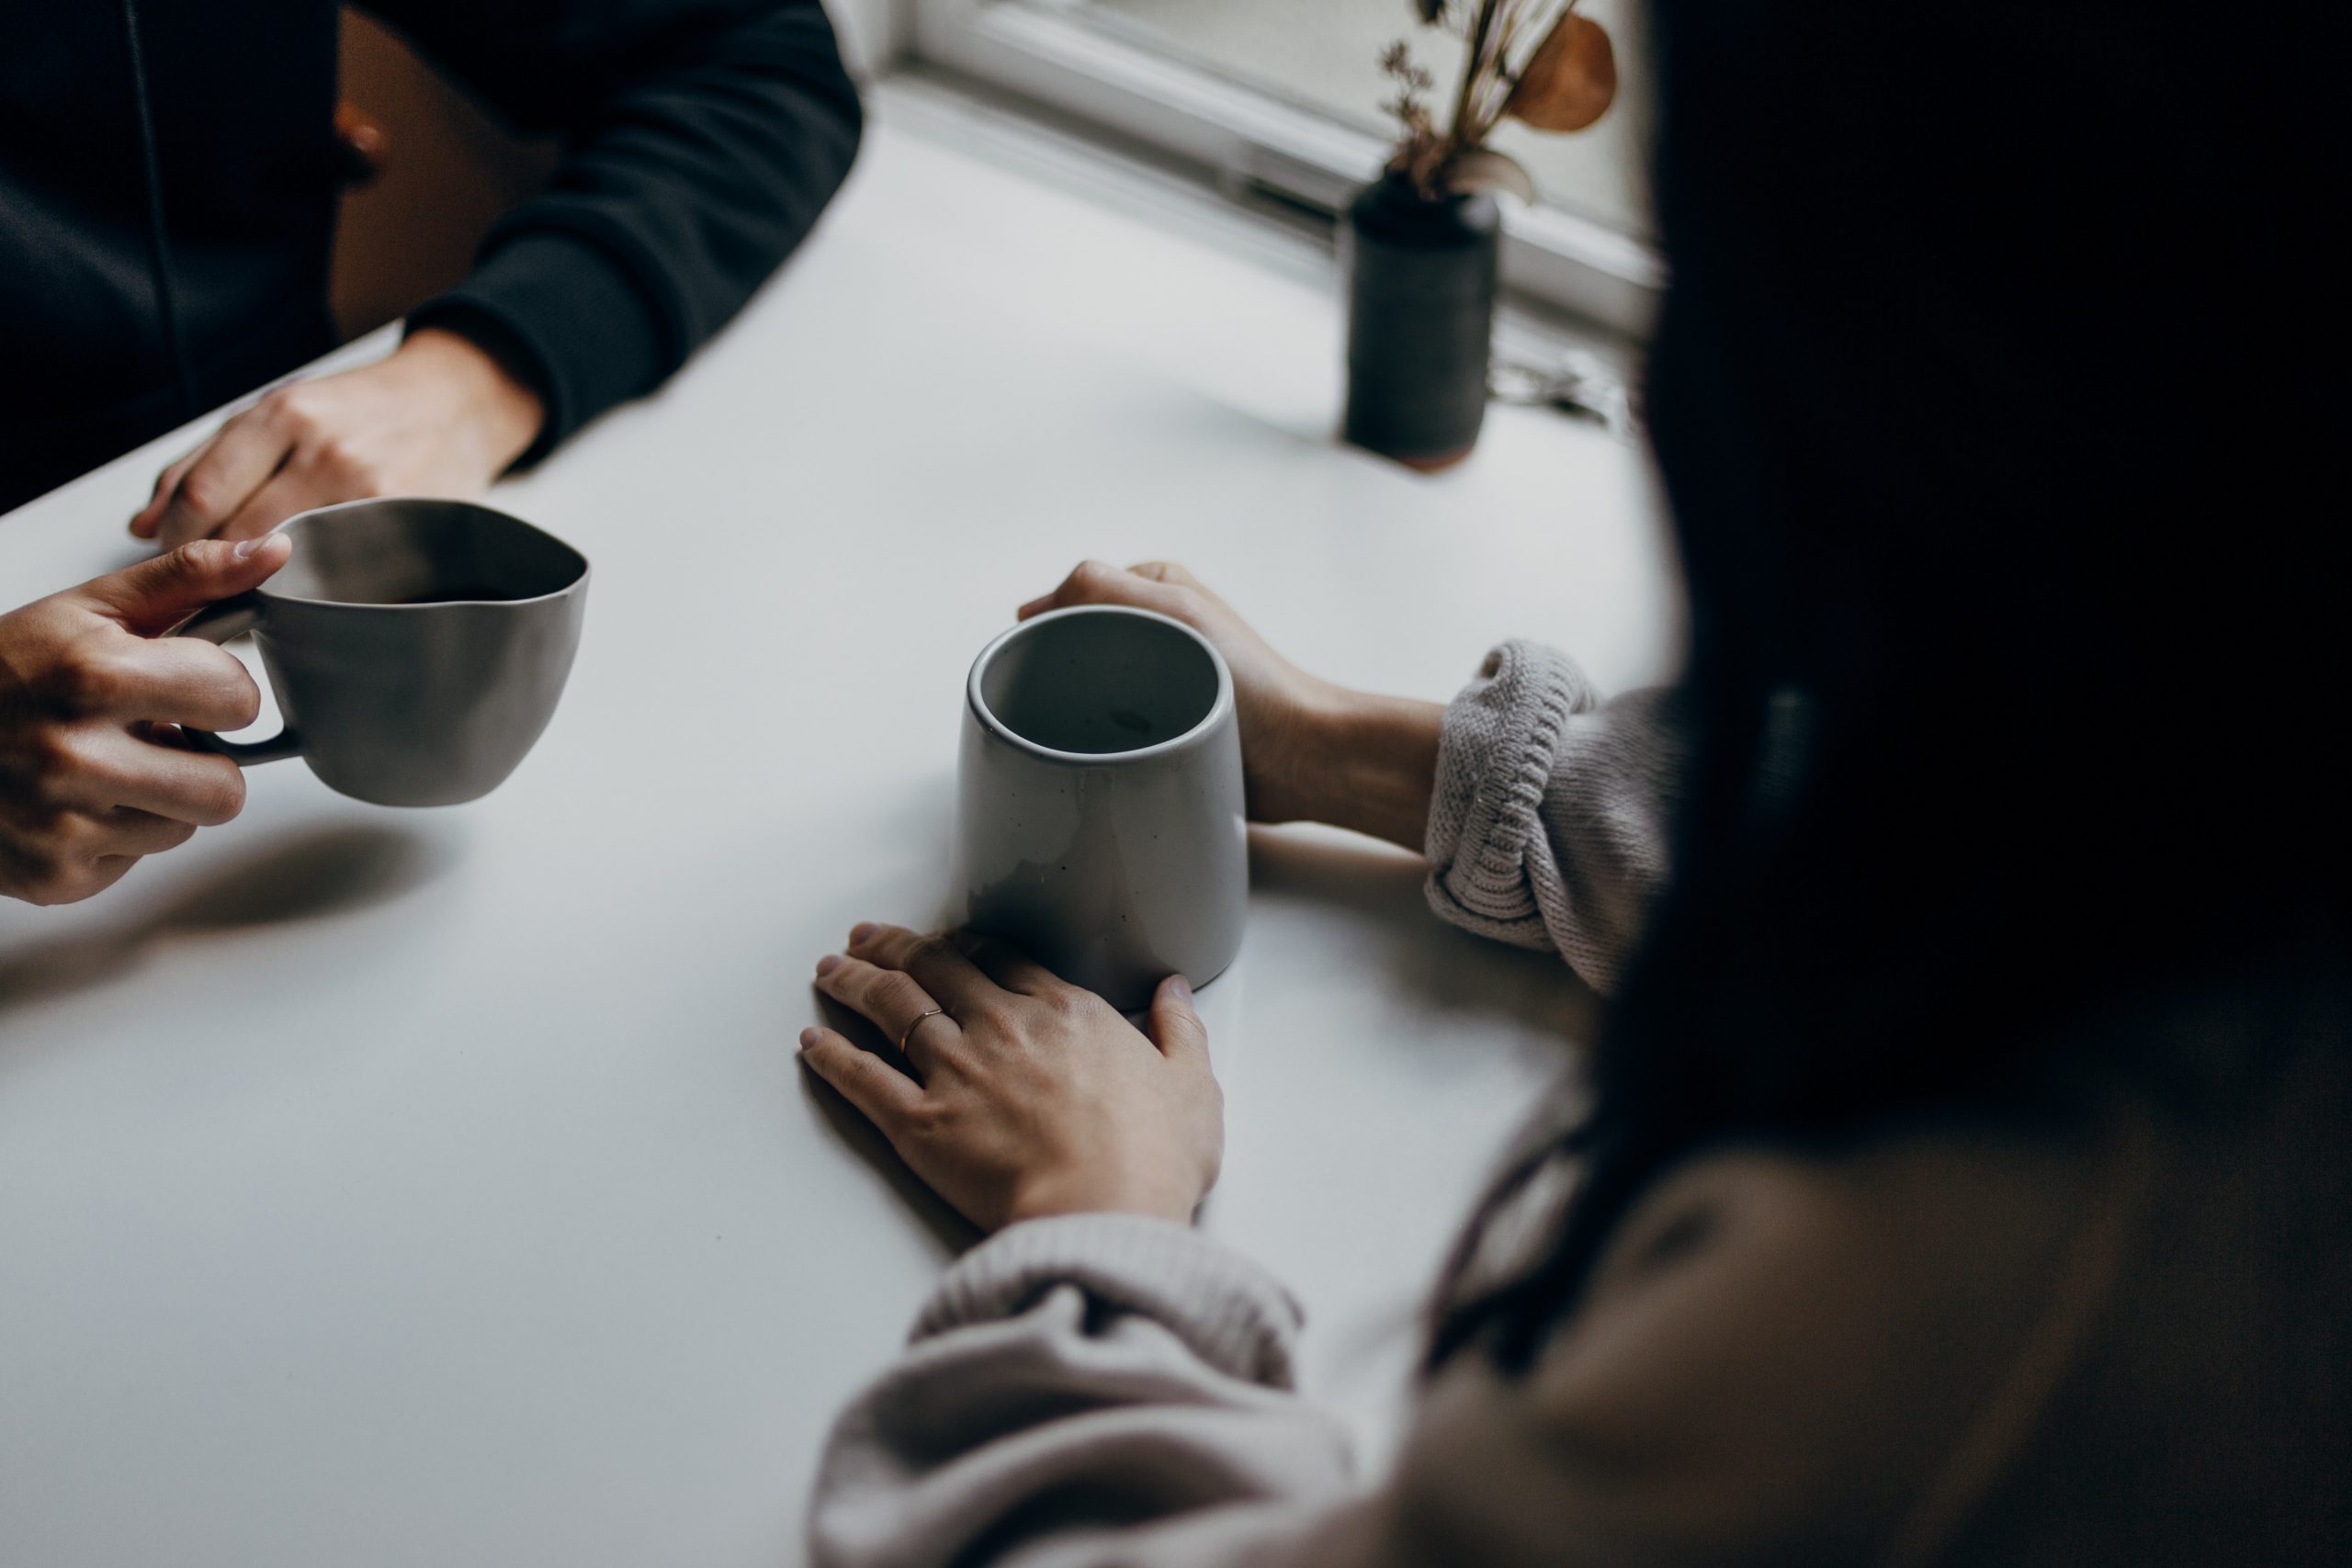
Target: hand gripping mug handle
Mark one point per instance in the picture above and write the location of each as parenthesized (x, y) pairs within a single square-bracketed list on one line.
[(221, 623)]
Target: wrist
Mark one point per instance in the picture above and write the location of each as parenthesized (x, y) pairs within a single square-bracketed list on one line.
[(1369, 763), (1048, 1197), (499, 406)]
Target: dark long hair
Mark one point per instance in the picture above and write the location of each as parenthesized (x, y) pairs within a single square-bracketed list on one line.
[(2001, 399)]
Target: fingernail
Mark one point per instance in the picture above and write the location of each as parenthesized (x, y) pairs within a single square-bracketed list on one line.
[(828, 964), (861, 930), (809, 1037), (1181, 987), (245, 547)]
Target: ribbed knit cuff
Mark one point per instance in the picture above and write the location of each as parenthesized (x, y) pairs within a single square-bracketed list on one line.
[(570, 316), (1229, 1311), (1494, 763)]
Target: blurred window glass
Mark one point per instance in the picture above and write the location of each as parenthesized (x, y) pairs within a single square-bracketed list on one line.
[(1325, 55), (1286, 96)]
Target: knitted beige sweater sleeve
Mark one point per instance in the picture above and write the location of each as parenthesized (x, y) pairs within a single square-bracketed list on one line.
[(1549, 822), (1089, 1389)]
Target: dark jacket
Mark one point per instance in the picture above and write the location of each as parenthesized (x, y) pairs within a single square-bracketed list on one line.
[(169, 175)]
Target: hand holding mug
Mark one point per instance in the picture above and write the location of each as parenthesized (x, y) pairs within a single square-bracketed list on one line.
[(1278, 704), (1018, 1096), (92, 773), (1311, 750), (418, 647)]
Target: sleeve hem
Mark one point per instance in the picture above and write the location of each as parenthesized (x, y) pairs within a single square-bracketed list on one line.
[(1231, 1312), (572, 316), (1495, 754)]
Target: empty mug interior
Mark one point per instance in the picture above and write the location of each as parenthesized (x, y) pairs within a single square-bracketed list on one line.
[(1099, 682), (422, 552)]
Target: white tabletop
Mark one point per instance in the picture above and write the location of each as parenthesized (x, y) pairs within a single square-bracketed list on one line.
[(384, 1188)]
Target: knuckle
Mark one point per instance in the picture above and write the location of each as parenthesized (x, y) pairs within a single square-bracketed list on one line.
[(219, 794), (294, 409), (238, 698), (46, 892), (924, 1120), (994, 1014), (183, 567), (51, 878), (343, 456), (931, 949), (895, 989), (87, 681), (30, 864), (53, 756), (202, 496)]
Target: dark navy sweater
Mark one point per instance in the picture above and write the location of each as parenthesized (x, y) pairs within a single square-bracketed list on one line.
[(169, 175)]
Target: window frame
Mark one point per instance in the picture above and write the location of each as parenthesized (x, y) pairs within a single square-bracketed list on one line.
[(1248, 139)]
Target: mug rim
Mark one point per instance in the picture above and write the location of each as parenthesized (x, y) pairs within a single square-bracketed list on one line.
[(978, 707), (265, 589)]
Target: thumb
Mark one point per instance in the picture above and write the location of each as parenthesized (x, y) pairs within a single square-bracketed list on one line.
[(155, 594), (1176, 1029)]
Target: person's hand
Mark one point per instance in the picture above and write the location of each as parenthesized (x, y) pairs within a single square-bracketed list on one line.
[(91, 777), (1310, 751), (1280, 707), (438, 417), (1026, 1096)]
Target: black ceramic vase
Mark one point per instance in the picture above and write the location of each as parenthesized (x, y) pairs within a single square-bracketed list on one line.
[(1420, 316)]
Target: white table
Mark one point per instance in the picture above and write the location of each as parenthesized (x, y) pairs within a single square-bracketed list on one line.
[(441, 1188)]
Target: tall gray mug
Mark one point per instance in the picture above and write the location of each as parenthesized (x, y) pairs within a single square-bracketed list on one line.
[(417, 648), (1099, 824)]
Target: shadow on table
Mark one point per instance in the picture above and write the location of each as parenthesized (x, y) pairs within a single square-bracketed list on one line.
[(1380, 891), (954, 1233), (308, 876)]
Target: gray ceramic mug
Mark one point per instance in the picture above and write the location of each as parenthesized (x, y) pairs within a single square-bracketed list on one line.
[(417, 646), (1099, 824)]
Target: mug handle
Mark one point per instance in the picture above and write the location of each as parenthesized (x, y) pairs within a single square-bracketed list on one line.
[(221, 623)]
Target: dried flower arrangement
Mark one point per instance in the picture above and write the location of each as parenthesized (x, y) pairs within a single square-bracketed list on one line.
[(1562, 82)]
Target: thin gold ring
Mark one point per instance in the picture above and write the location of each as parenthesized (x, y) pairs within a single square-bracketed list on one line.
[(909, 1033)]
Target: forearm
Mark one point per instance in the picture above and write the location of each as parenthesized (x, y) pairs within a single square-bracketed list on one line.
[(1369, 763)]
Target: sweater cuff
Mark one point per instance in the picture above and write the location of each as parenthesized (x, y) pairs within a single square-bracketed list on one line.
[(558, 308), (1493, 764), (1224, 1308)]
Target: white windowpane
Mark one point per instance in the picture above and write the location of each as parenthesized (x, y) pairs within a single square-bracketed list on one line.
[(1324, 54)]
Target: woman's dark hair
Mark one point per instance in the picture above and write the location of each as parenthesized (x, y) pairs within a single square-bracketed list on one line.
[(2001, 396)]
